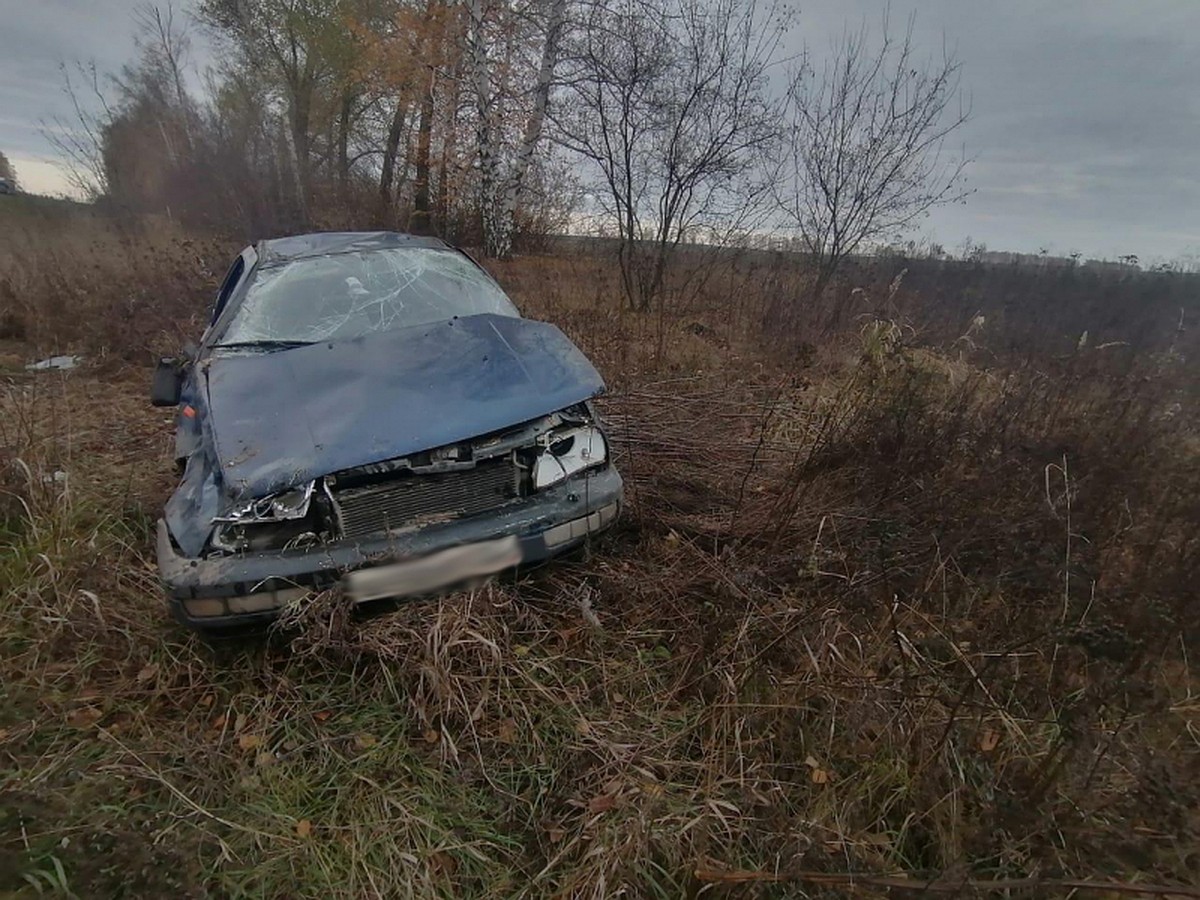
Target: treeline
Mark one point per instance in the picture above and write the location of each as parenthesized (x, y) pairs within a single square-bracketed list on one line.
[(7, 172), (330, 112), (659, 122)]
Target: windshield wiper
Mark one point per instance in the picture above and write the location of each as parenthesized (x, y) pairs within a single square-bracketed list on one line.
[(263, 345)]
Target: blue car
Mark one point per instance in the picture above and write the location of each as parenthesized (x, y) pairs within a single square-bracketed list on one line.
[(371, 411)]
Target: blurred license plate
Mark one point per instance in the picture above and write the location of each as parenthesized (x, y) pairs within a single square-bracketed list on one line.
[(429, 573)]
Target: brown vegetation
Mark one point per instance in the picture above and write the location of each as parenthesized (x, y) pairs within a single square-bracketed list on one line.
[(902, 601)]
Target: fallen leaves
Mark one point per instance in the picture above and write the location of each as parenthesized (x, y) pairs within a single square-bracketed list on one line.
[(989, 740), (84, 717), (819, 774), (304, 828), (652, 789), (602, 803), (147, 673), (250, 741), (442, 863), (507, 733)]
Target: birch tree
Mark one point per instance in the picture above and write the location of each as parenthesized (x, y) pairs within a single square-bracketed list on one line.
[(497, 43)]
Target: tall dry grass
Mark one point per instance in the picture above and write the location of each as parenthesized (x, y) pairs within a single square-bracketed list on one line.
[(882, 615)]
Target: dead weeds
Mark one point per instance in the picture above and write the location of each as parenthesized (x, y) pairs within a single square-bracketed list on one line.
[(885, 623)]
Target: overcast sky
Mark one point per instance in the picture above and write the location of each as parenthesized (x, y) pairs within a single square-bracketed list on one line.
[(1085, 129)]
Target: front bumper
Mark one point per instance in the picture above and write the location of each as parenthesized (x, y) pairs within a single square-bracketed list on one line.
[(232, 591)]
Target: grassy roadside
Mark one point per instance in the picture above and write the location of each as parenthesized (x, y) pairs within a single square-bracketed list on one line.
[(888, 613)]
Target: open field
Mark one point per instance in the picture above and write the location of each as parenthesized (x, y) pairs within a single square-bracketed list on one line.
[(898, 599)]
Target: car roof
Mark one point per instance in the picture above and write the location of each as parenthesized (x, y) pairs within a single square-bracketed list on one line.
[(323, 243)]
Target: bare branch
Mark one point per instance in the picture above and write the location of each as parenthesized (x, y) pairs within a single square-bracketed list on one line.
[(666, 105), (865, 149)]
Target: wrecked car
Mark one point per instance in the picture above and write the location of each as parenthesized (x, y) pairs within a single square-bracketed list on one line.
[(371, 411)]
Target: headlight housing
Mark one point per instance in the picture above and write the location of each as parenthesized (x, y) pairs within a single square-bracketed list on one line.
[(280, 507), (567, 451), (274, 522)]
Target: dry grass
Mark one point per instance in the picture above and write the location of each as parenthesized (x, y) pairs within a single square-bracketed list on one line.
[(888, 614), (122, 291)]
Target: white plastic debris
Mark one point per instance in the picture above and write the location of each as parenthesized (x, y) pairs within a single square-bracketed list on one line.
[(55, 362)]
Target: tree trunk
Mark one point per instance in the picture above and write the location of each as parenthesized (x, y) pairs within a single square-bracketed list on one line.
[(299, 119), (442, 218), (627, 261), (485, 132), (533, 131), (289, 181), (658, 274), (419, 222), (343, 155), (387, 177), (821, 282)]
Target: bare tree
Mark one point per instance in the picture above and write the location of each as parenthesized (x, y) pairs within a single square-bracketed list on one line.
[(152, 83), (151, 86), (667, 103), (865, 150), (164, 46), (79, 139)]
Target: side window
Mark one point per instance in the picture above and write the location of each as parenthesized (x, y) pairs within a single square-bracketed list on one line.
[(227, 286)]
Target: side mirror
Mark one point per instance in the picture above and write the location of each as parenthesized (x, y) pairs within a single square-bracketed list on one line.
[(168, 381)]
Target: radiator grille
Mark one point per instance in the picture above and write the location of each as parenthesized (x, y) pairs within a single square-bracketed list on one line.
[(411, 499)]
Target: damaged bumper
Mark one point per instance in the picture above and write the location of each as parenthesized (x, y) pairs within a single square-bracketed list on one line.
[(230, 591)]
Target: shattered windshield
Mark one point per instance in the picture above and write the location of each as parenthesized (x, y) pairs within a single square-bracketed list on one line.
[(346, 295)]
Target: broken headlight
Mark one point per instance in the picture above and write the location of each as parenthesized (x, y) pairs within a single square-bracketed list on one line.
[(566, 451), (272, 508), (274, 522)]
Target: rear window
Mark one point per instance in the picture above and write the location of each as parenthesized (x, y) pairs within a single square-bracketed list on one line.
[(347, 295)]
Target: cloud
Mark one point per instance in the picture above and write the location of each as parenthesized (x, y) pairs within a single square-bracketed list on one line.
[(1085, 117), (1085, 124)]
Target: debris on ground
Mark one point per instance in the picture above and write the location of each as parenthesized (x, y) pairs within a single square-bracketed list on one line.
[(55, 362)]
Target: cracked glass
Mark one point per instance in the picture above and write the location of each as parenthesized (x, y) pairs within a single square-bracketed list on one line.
[(347, 295)]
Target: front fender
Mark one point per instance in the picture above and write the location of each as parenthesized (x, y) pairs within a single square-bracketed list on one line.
[(196, 502)]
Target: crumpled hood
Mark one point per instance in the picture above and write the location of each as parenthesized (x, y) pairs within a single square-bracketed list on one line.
[(282, 418)]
